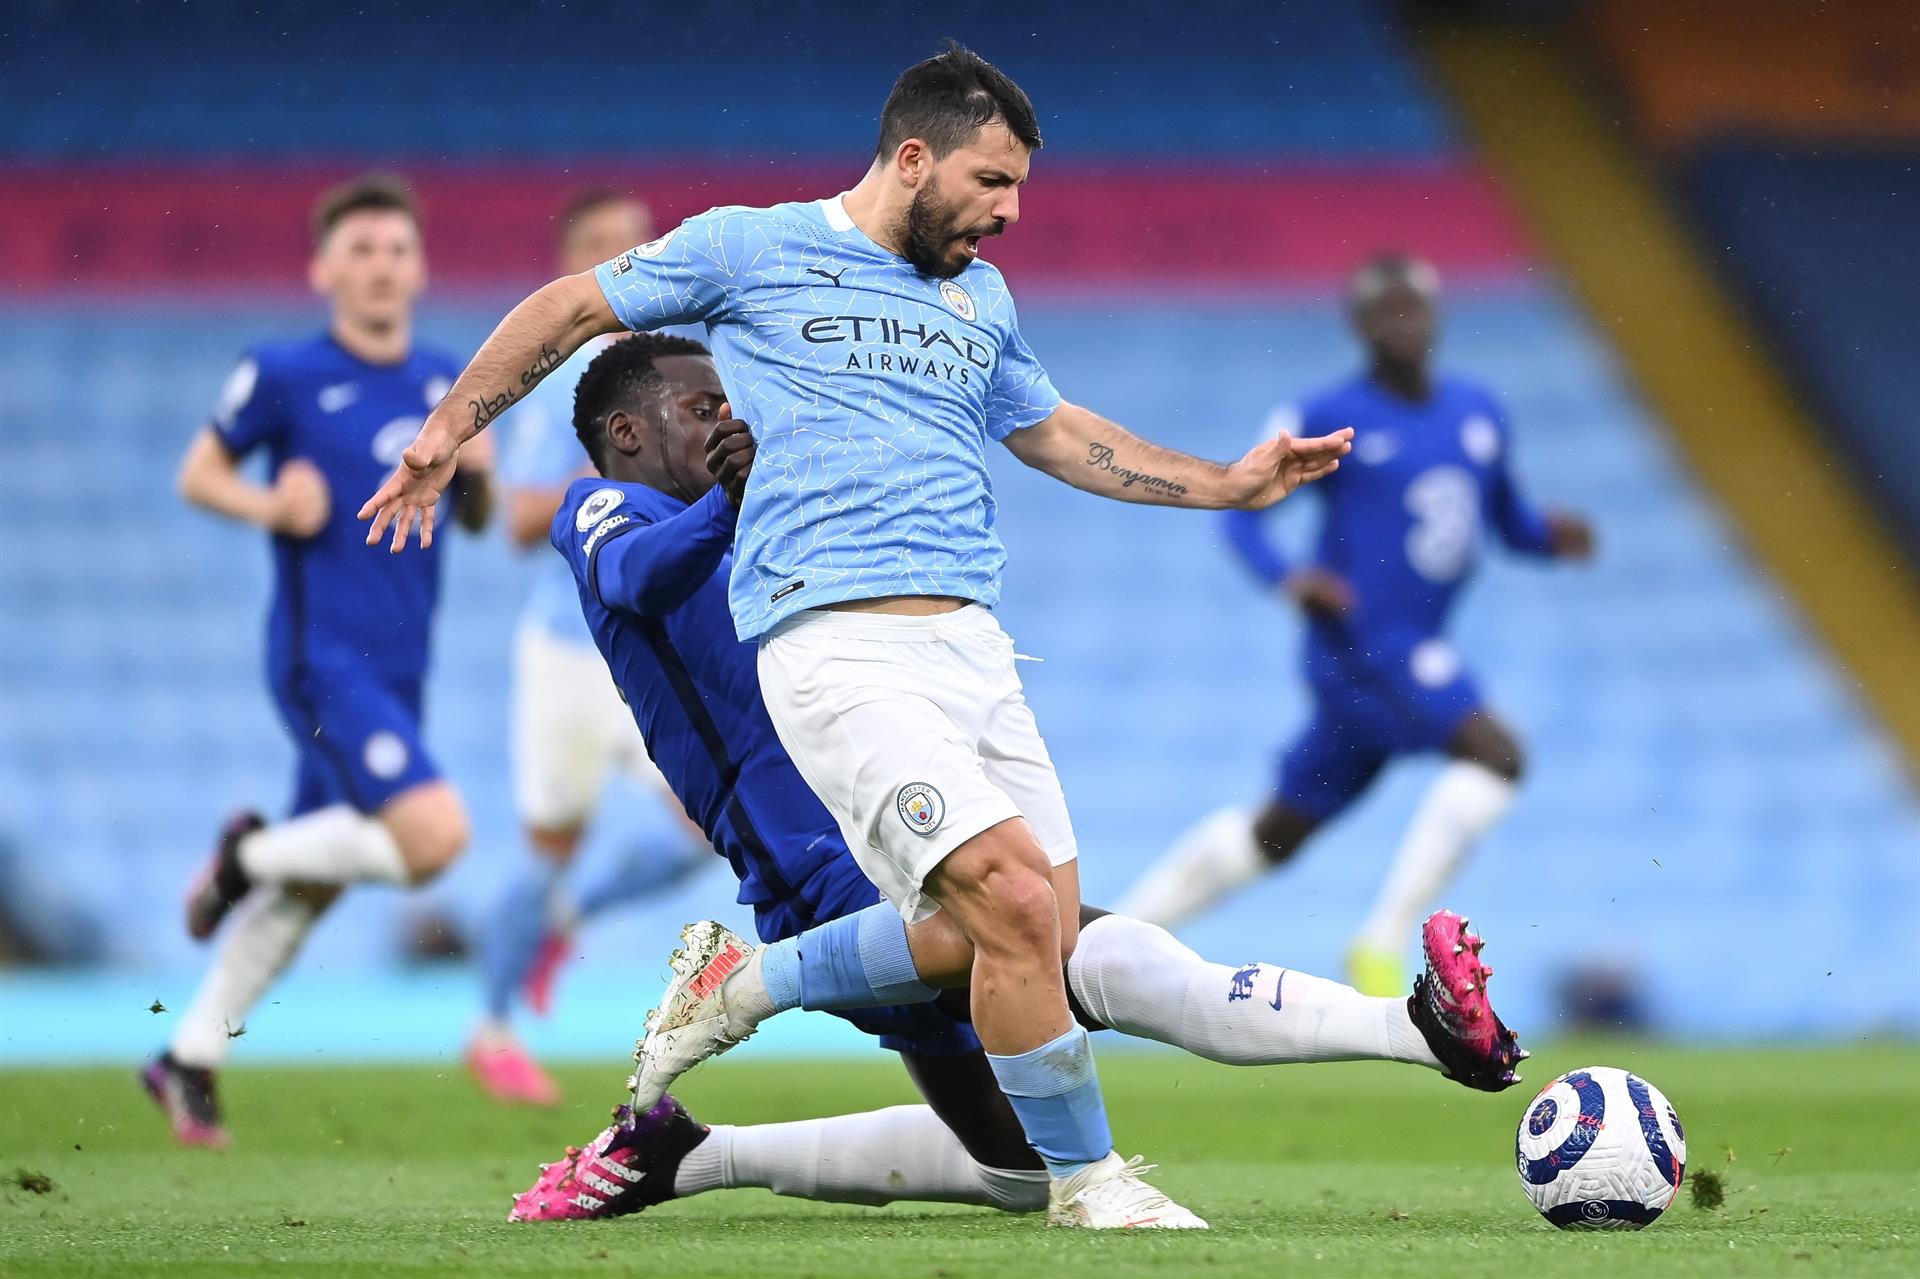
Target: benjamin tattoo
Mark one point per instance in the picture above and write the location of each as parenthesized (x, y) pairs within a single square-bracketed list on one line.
[(1100, 457)]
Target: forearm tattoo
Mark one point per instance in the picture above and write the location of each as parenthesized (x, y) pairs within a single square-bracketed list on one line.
[(485, 410), (1101, 458)]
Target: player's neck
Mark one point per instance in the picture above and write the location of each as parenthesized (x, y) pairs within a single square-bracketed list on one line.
[(376, 344), (868, 211), (1404, 381)]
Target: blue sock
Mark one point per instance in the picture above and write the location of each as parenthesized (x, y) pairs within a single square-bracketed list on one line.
[(1056, 1094), (857, 961), (640, 871), (514, 928)]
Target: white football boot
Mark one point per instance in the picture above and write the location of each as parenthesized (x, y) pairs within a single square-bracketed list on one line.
[(693, 1021), (1113, 1195)]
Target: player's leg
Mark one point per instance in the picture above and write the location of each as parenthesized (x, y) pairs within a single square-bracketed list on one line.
[(1321, 772), (1473, 791), (393, 819)]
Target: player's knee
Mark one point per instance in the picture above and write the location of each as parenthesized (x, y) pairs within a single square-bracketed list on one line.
[(432, 831), (1278, 832), (1020, 912)]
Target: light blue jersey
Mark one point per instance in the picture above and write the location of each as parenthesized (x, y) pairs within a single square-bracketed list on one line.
[(872, 391), (542, 452)]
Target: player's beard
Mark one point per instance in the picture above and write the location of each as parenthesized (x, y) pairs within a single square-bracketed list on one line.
[(931, 240)]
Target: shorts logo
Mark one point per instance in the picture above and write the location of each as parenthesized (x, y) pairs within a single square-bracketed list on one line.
[(957, 298), (385, 755), (921, 808), (598, 504)]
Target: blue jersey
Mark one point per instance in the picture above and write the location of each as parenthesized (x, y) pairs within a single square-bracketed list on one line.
[(873, 392), (337, 605), (651, 573), (1403, 516), (542, 452)]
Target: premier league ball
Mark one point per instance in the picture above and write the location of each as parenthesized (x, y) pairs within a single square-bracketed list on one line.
[(1601, 1149)]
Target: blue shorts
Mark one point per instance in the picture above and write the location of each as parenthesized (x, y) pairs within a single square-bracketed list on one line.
[(357, 735), (838, 889), (1363, 716)]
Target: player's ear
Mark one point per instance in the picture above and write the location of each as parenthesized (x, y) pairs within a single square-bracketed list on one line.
[(318, 277), (623, 431), (910, 162)]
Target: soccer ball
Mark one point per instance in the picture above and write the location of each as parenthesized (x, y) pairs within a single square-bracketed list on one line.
[(1601, 1149)]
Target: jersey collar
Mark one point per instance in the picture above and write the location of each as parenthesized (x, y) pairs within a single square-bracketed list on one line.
[(834, 210)]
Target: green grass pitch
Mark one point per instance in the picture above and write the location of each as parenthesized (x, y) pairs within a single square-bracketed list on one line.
[(1324, 1170)]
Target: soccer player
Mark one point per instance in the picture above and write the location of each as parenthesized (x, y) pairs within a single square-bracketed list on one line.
[(878, 356), (1402, 531), (570, 729), (347, 633), (648, 547)]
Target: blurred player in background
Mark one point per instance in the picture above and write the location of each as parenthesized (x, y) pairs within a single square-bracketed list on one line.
[(1400, 537), (347, 632), (570, 728)]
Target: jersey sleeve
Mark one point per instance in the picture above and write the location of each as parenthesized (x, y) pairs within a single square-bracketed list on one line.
[(1020, 394), (250, 412), (1246, 531), (680, 278), (1520, 524), (636, 554)]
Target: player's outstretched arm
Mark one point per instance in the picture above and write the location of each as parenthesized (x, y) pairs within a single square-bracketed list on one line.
[(535, 339), (1081, 448), (295, 505)]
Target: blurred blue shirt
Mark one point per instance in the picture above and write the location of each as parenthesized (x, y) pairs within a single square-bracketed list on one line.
[(542, 452)]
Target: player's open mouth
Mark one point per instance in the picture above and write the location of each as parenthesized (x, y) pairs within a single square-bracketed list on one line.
[(972, 243)]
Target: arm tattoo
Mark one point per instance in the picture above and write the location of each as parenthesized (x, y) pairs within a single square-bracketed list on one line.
[(1100, 457), (486, 410)]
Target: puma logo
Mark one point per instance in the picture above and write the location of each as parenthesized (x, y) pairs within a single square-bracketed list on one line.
[(833, 277)]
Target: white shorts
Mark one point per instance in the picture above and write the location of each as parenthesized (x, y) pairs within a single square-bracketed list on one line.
[(915, 734), (570, 731)]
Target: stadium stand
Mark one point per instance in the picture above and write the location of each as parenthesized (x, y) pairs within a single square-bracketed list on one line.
[(1671, 812)]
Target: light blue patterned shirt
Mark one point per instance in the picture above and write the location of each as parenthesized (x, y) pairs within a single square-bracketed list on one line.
[(872, 391)]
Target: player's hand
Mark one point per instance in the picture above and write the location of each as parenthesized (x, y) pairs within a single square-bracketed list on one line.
[(413, 490), (301, 501), (1276, 468), (1569, 536), (730, 452), (1319, 593)]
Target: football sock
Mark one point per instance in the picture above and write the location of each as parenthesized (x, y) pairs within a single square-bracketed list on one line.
[(1210, 862), (857, 961), (1140, 980), (263, 934), (1464, 803), (902, 1152), (337, 845), (1056, 1094), (642, 869), (510, 938)]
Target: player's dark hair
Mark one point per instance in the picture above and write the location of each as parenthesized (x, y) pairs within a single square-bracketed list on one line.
[(948, 98), (380, 192), (614, 378)]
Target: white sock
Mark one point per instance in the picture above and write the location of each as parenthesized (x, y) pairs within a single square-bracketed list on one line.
[(1211, 861), (902, 1152), (263, 935), (1138, 979), (336, 845), (1463, 804)]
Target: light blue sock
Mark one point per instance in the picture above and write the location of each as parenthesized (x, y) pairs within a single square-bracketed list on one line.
[(513, 932), (641, 870), (857, 961), (1056, 1094)]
